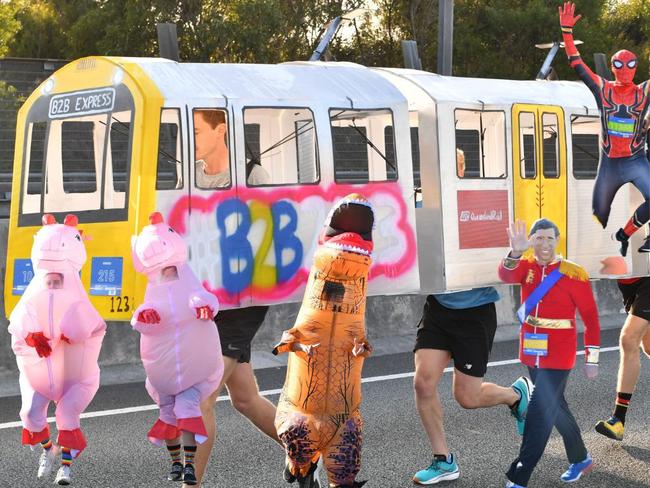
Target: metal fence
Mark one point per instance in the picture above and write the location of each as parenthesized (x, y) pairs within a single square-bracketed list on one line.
[(19, 77)]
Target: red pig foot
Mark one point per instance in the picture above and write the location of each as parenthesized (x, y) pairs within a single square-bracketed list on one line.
[(204, 313), (149, 316)]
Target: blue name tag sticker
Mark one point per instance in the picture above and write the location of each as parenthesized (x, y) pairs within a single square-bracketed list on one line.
[(106, 276), (535, 344), (23, 274)]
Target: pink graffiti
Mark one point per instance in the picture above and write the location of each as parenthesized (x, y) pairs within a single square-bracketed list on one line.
[(179, 213)]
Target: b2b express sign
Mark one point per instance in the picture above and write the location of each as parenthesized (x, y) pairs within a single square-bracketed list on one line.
[(82, 103), (482, 218)]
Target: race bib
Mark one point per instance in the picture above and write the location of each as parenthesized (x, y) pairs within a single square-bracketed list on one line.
[(535, 344)]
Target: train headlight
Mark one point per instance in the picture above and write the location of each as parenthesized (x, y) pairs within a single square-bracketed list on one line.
[(118, 76), (48, 86)]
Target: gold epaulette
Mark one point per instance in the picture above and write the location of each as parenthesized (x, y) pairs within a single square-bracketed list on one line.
[(573, 270)]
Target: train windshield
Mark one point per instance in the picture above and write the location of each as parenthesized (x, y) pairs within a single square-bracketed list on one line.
[(77, 155)]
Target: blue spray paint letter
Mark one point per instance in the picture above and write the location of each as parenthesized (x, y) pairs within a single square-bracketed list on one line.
[(235, 246), (285, 238)]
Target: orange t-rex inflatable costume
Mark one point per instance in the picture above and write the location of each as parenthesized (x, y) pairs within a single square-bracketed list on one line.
[(318, 412)]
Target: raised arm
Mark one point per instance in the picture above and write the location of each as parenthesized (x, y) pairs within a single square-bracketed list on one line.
[(567, 21), (509, 269)]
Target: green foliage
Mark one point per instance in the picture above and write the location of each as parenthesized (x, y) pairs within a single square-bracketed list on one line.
[(492, 38)]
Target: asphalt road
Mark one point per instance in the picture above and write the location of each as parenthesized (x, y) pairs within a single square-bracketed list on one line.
[(485, 441)]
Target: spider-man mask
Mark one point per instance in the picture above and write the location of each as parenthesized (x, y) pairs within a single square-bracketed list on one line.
[(624, 66)]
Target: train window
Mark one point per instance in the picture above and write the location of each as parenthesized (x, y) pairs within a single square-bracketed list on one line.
[(37, 133), (359, 145), (211, 152), (586, 150), (527, 153), (79, 158), (550, 148), (84, 139), (280, 146), (480, 144), (389, 141), (118, 160), (169, 170)]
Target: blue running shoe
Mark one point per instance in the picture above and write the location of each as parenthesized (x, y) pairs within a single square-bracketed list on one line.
[(510, 484), (576, 470), (438, 471), (524, 387)]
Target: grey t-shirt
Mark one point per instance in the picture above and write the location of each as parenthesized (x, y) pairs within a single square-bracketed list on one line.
[(258, 176)]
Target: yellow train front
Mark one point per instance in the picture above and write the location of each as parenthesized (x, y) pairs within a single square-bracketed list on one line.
[(113, 139)]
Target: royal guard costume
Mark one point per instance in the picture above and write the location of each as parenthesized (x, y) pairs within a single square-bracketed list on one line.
[(56, 334), (318, 411), (550, 296), (623, 107), (179, 343)]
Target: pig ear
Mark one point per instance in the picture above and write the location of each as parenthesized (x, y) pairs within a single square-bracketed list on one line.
[(156, 218), (71, 220), (48, 219)]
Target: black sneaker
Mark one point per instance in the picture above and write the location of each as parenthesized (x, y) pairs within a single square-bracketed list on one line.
[(287, 474), (176, 474), (646, 245), (624, 241), (189, 478), (310, 481)]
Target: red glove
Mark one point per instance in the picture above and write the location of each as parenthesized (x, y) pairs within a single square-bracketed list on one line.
[(65, 339), (567, 19), (39, 342), (204, 313), (149, 316)]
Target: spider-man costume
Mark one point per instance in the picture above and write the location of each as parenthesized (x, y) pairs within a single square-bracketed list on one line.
[(623, 107)]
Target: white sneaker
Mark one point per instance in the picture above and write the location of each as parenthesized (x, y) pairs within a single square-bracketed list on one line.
[(63, 476), (45, 462)]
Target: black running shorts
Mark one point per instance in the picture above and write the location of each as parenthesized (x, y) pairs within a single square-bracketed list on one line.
[(636, 297), (237, 327), (467, 333)]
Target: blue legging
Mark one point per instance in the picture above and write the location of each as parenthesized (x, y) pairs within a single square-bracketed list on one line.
[(613, 173), (547, 408)]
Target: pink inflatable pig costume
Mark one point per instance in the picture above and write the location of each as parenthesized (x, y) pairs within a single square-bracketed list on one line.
[(56, 334), (179, 342)]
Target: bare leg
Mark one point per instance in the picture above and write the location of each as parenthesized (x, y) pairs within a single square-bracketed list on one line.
[(245, 396), (472, 392), (207, 411), (429, 367), (634, 331), (645, 344)]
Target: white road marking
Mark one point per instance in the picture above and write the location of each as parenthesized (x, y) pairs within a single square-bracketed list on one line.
[(372, 379)]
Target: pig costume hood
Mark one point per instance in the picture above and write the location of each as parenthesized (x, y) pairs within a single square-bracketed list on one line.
[(55, 304), (181, 353)]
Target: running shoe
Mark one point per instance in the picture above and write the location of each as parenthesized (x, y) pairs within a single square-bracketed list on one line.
[(45, 462), (612, 428), (63, 476), (624, 241), (176, 473), (438, 471), (576, 470), (189, 477), (524, 387), (510, 484), (646, 245)]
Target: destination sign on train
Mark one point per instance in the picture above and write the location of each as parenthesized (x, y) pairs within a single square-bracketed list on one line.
[(82, 103)]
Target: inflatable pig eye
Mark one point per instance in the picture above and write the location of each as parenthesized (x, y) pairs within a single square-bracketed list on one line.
[(78, 237), (171, 230)]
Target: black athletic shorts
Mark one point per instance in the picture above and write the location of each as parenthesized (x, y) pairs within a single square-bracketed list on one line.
[(237, 327), (636, 297), (467, 333)]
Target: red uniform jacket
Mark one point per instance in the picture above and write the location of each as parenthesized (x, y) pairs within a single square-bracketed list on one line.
[(570, 292)]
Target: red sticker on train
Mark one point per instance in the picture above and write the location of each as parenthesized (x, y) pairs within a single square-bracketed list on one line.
[(482, 218)]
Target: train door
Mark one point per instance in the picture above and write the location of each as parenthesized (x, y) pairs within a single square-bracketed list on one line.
[(539, 166), (213, 212)]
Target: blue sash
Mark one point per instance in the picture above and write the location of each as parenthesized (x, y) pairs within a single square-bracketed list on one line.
[(537, 294)]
